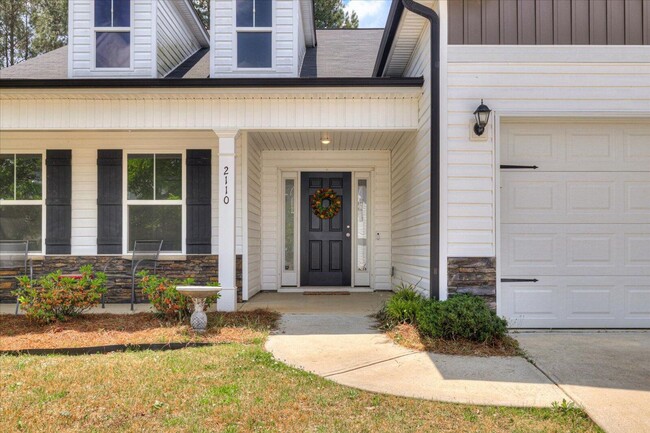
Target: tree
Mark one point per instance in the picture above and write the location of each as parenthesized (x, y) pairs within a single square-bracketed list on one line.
[(331, 14), (203, 9), (31, 27)]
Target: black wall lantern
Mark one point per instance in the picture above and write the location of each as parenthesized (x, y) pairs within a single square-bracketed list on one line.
[(482, 115)]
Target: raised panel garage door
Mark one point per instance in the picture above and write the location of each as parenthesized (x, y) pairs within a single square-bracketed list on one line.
[(579, 224)]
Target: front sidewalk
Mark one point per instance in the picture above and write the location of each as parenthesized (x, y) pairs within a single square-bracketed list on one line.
[(339, 341)]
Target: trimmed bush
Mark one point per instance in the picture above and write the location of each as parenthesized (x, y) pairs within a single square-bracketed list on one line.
[(461, 317), (58, 297), (403, 306), (164, 297)]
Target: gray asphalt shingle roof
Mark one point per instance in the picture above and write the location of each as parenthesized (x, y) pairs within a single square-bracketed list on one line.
[(340, 53)]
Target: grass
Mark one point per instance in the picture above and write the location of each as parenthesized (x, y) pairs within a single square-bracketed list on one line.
[(228, 388), (17, 332), (407, 335)]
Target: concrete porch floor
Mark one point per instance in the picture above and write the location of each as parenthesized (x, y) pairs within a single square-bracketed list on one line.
[(361, 304)]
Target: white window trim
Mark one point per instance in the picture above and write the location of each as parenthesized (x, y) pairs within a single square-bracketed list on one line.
[(126, 202), (93, 45), (290, 278), (40, 202), (237, 30), (361, 278)]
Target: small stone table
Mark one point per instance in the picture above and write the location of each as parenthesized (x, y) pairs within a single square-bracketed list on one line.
[(198, 294)]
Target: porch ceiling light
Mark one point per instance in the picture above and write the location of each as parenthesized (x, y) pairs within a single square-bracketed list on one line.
[(482, 115), (325, 138)]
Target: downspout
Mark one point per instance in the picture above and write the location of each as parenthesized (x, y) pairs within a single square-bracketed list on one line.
[(434, 27)]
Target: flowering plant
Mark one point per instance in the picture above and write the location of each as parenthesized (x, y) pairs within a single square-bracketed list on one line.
[(164, 297), (58, 297)]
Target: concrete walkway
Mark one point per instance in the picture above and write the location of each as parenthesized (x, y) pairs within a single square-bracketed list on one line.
[(342, 345), (607, 373)]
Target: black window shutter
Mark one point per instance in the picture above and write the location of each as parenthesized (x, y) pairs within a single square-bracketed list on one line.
[(59, 195), (109, 202), (199, 206)]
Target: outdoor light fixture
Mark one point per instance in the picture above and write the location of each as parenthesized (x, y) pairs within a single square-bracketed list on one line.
[(482, 115), (325, 138)]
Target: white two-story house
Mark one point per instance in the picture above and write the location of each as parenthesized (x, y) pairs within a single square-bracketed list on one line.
[(491, 147)]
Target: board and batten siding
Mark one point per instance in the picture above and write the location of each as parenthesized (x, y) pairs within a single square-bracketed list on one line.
[(411, 185), (224, 54), (549, 22), (175, 39), (566, 82), (84, 146), (376, 162), (81, 63)]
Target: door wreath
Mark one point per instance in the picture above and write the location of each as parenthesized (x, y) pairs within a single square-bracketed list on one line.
[(325, 203)]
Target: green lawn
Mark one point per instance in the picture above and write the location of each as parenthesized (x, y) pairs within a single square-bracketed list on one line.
[(228, 388)]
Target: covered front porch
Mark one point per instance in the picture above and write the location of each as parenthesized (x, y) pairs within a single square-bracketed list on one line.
[(223, 188)]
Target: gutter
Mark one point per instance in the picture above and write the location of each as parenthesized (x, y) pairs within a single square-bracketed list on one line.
[(395, 14), (158, 83)]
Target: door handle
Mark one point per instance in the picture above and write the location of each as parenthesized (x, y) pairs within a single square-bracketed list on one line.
[(347, 235)]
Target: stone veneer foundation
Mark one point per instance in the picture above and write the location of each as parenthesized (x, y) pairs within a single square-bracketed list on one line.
[(203, 268), (474, 275)]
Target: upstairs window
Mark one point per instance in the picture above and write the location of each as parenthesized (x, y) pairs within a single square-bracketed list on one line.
[(112, 33), (254, 33)]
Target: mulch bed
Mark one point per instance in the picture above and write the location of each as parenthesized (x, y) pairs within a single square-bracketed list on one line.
[(17, 333), (408, 336)]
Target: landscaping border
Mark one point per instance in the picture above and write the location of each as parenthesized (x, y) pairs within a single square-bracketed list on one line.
[(98, 350)]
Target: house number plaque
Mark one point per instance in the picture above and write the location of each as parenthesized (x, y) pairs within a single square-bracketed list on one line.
[(226, 196)]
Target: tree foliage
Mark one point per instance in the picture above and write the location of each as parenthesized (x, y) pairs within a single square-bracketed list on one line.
[(31, 27), (331, 14)]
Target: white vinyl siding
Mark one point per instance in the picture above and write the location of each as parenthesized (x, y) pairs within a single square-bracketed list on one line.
[(411, 185), (84, 147), (539, 82), (81, 47), (224, 35), (254, 217), (376, 162), (175, 39)]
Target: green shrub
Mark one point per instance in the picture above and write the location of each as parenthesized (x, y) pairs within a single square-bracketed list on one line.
[(58, 297), (462, 317), (403, 306), (164, 297)]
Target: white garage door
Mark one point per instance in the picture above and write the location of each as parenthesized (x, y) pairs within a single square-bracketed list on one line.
[(579, 224)]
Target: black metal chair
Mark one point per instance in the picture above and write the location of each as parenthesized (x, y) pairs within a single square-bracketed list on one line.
[(144, 253), (14, 255)]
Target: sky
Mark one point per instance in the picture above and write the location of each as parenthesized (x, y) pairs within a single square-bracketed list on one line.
[(372, 13)]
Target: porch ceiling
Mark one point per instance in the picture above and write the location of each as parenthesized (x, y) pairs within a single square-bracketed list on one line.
[(340, 140)]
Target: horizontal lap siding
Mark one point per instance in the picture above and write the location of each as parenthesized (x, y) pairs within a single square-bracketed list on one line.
[(84, 147), (175, 39), (411, 186), (254, 193), (512, 87), (82, 39), (549, 22), (274, 161)]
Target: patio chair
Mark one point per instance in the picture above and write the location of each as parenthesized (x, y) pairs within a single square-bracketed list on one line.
[(14, 255), (144, 253)]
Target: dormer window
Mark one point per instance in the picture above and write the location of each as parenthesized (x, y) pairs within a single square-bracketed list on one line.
[(113, 34), (254, 33)]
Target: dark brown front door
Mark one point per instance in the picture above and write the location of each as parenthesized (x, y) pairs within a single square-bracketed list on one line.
[(325, 247)]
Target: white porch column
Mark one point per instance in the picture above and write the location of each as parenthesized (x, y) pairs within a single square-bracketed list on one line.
[(227, 221)]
